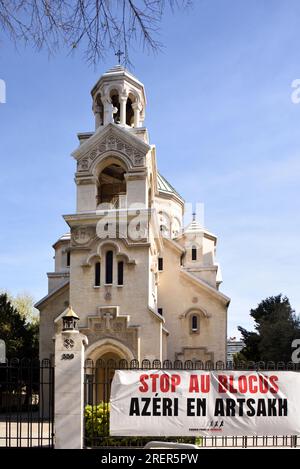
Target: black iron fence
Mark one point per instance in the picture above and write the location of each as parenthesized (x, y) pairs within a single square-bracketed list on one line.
[(26, 403), (97, 386)]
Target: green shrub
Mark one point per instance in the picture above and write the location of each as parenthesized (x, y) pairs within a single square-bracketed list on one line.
[(97, 420), (97, 431)]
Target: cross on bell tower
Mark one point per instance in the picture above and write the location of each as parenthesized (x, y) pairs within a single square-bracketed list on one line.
[(119, 54)]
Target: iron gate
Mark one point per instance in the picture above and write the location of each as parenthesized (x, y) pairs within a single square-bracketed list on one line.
[(97, 383), (27, 404)]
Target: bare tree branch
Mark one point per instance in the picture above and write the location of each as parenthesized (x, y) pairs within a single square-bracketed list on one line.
[(94, 26)]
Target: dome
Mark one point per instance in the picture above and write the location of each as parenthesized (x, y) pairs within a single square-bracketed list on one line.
[(164, 186)]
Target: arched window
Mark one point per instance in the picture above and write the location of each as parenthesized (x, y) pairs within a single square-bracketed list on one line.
[(195, 323), (112, 186), (97, 274), (194, 253), (109, 268), (120, 273)]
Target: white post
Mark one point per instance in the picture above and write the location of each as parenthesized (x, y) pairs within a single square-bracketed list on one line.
[(123, 101), (107, 110), (97, 111), (137, 109), (69, 387)]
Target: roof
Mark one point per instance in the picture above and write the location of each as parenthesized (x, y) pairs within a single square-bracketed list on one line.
[(52, 293), (63, 238), (193, 227), (70, 313), (165, 187), (120, 70)]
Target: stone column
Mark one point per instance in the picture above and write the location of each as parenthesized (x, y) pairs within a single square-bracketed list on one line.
[(69, 387), (97, 112), (123, 101), (137, 109), (107, 110)]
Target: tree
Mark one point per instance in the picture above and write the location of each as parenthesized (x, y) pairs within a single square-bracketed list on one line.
[(96, 25), (276, 326), (24, 304), (20, 336)]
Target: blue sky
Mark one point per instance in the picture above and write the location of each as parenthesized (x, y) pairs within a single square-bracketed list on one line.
[(226, 130)]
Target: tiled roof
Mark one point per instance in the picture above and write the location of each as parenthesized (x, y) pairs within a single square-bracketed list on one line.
[(164, 186)]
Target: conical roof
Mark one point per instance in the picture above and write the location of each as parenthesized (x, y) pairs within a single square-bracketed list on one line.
[(70, 313), (194, 227)]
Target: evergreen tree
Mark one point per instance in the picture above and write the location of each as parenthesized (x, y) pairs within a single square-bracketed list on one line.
[(276, 326), (20, 336)]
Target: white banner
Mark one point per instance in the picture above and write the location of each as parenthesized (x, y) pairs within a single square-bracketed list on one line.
[(213, 403)]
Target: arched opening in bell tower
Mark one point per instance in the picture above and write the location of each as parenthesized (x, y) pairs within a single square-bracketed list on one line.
[(98, 110), (129, 110), (115, 101), (112, 186)]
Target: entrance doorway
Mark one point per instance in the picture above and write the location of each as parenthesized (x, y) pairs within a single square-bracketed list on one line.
[(99, 377)]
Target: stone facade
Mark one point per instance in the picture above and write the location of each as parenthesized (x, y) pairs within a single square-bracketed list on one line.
[(143, 285)]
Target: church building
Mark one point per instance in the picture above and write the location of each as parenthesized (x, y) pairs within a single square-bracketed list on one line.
[(143, 285)]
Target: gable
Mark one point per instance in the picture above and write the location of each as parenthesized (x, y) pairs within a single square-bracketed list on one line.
[(53, 295), (111, 140), (202, 285)]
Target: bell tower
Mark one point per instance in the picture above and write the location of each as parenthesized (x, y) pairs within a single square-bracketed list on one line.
[(113, 161), (119, 98)]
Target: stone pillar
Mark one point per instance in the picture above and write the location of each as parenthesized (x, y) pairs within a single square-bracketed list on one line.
[(97, 112), (137, 109), (69, 387), (123, 101), (107, 110)]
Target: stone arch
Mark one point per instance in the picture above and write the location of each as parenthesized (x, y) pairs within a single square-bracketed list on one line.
[(133, 99), (106, 244), (111, 183), (113, 86), (108, 158), (196, 310), (104, 349), (103, 245), (135, 94), (108, 345), (94, 257)]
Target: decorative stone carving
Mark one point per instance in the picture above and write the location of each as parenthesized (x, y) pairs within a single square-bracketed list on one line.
[(83, 164), (93, 154), (68, 343), (114, 326), (99, 326), (139, 160), (111, 142), (107, 324), (82, 235)]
